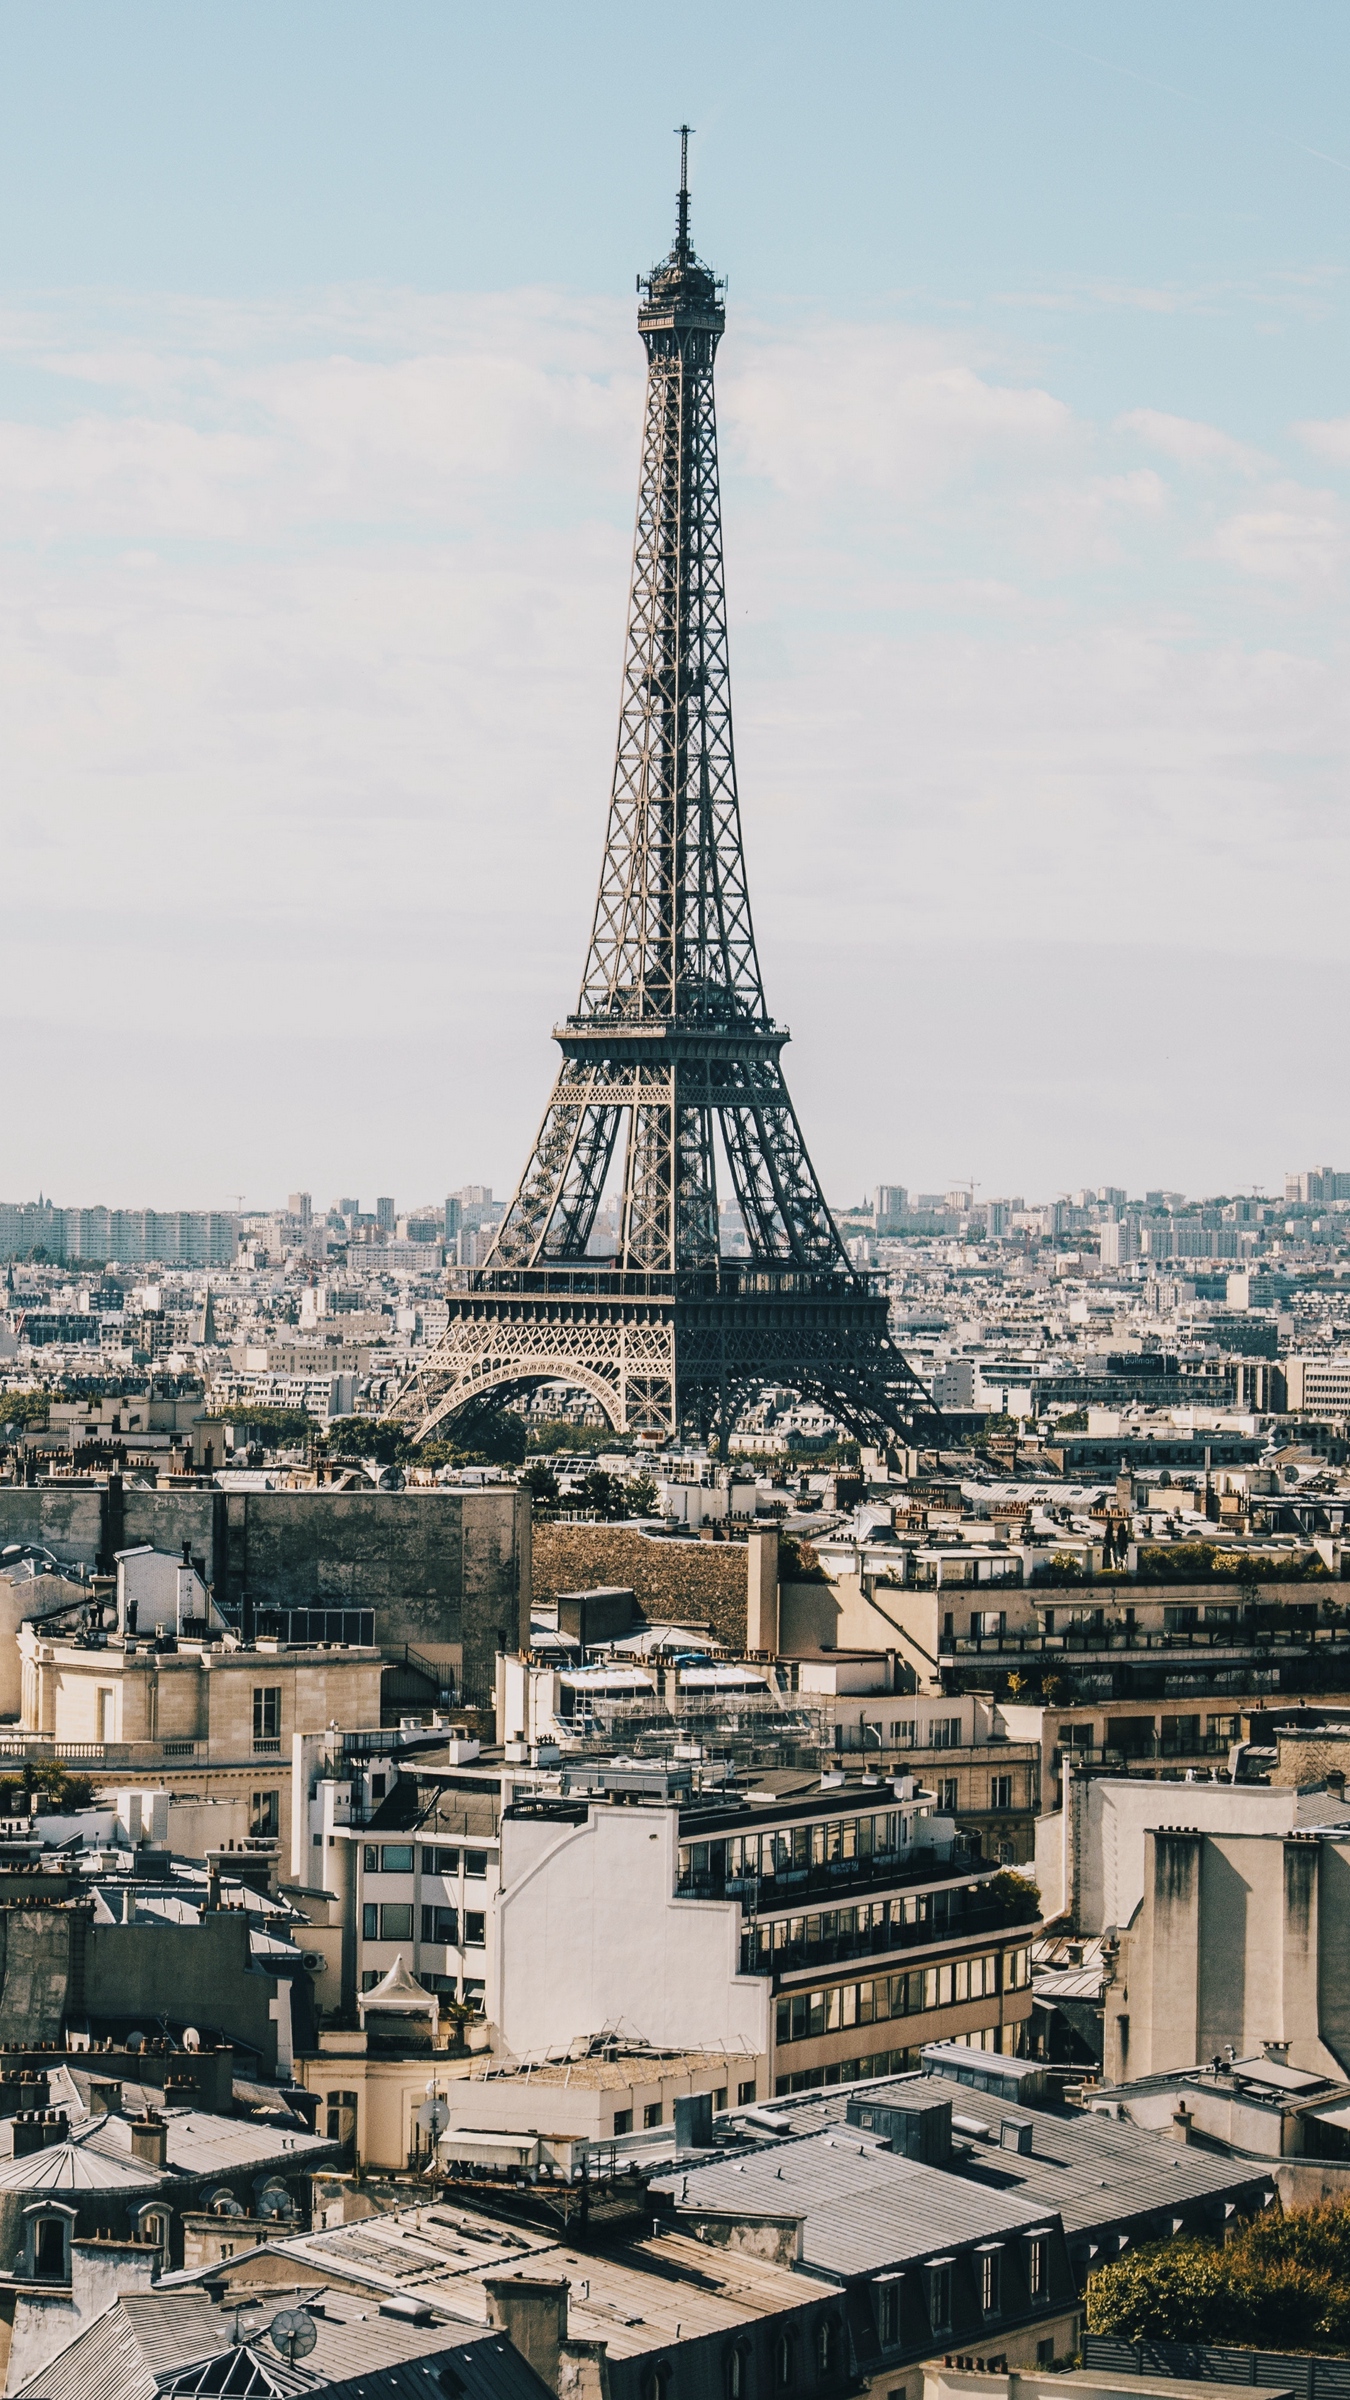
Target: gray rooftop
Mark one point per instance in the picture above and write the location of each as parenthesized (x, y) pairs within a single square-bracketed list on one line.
[(142, 2345), (863, 2207), (1090, 2171)]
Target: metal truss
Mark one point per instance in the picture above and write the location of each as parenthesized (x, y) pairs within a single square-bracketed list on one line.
[(671, 1048)]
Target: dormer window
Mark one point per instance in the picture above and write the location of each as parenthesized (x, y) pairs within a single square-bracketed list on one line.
[(989, 2262)]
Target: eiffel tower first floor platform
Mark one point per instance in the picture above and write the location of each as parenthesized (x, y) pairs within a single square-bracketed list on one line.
[(664, 1353)]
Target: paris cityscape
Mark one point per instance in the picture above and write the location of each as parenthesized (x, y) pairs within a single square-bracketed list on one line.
[(692, 1775)]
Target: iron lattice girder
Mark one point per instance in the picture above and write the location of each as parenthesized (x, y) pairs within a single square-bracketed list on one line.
[(671, 1045), (662, 1350)]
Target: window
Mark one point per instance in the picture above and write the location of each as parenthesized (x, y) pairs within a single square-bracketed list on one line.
[(940, 2295), (783, 2362), (475, 1929), (396, 1858), (888, 2312), (340, 2116), (49, 2252), (652, 2114), (264, 1815), (370, 1976), (107, 1721), (1000, 1791), (1045, 2352), (440, 1862), (1038, 2267), (440, 1925), (655, 2380), (745, 2095), (827, 2346), (946, 1791), (152, 2230), (266, 1712), (904, 1733), (475, 1862), (623, 2120), (991, 2280), (738, 2372), (944, 1733), (719, 2099), (386, 1921)]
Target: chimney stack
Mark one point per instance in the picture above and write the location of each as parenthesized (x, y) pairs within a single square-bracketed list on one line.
[(150, 2139)]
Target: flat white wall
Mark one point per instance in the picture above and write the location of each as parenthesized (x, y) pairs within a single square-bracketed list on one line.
[(1117, 1811), (589, 1935)]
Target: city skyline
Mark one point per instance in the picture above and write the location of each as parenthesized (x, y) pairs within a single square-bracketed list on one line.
[(319, 492)]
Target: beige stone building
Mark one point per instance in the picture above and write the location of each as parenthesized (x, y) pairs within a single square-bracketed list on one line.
[(219, 1702)]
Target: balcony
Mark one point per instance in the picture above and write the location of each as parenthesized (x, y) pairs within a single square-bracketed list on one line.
[(880, 1942), (1208, 1643), (833, 1881)]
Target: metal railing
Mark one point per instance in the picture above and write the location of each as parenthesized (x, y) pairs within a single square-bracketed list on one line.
[(835, 1880), (882, 1941)]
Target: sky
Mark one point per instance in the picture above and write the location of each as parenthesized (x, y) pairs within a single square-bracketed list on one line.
[(319, 414)]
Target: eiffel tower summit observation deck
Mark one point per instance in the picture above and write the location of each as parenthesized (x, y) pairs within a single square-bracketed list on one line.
[(671, 1061)]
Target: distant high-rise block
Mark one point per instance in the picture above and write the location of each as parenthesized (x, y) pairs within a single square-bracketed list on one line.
[(385, 1215), (301, 1205)]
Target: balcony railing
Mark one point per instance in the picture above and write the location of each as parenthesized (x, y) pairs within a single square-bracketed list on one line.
[(883, 1941), (1217, 1642), (836, 1880)]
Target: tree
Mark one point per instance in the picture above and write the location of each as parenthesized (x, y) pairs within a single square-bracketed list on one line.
[(542, 1482), (603, 1493), (1283, 2281), (366, 1437), (1064, 1567), (25, 1409), (642, 1496), (276, 1428)]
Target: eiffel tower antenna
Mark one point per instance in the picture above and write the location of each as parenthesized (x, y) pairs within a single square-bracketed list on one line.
[(671, 1062), (682, 207)]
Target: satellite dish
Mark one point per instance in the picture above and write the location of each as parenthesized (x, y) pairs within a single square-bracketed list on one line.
[(135, 2043), (433, 2116), (293, 2333), (192, 2040)]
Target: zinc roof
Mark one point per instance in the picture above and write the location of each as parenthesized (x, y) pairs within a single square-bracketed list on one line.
[(142, 2342), (863, 2207), (1089, 2170), (74, 2167)]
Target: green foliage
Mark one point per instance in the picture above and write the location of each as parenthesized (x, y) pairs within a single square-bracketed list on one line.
[(798, 1563), (604, 1493), (642, 1496), (497, 1440), (1283, 2281), (366, 1437), (28, 1409), (276, 1428), (1017, 1894), (1201, 1562), (1064, 1567), (559, 1433), (542, 1481)]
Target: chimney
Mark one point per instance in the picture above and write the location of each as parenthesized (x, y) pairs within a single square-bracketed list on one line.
[(1183, 2122), (150, 2139), (37, 2129), (532, 2312), (1335, 1781)]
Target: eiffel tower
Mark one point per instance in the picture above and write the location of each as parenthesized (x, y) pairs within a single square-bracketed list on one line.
[(671, 1043)]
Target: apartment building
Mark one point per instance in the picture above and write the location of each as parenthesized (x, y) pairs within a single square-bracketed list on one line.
[(816, 1937)]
